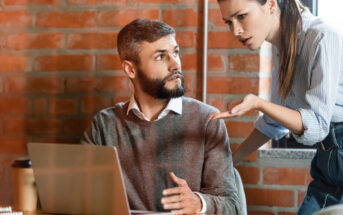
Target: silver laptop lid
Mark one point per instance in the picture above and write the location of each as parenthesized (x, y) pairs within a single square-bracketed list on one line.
[(78, 179)]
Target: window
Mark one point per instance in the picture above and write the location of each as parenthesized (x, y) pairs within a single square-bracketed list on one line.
[(331, 11)]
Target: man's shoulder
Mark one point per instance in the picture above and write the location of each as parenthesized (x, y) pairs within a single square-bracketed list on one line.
[(193, 104), (115, 111)]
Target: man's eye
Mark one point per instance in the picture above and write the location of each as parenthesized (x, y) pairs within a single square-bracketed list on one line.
[(176, 53), (160, 57)]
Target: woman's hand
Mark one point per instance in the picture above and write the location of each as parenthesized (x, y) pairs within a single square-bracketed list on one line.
[(240, 107)]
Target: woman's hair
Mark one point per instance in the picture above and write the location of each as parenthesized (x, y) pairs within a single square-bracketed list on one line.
[(290, 18)]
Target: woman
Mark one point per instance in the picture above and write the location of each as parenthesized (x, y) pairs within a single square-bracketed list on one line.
[(307, 88)]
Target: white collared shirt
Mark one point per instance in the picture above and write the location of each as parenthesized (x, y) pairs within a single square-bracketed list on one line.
[(175, 105)]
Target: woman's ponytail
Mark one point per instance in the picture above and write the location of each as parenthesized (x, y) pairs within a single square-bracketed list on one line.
[(290, 23)]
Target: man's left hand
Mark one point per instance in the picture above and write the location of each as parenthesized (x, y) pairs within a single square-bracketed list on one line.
[(183, 200)]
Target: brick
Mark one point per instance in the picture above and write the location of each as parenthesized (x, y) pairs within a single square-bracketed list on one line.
[(251, 158), (215, 17), (39, 106), (33, 85), (108, 62), (269, 197), (239, 129), (35, 41), (280, 176), (215, 62), (62, 19), (244, 63), (32, 2), (123, 17), (44, 85), (92, 104), (260, 213), (219, 103), (64, 63), (185, 39), (165, 1), (12, 105), (76, 126), (227, 85), (189, 62), (15, 18), (52, 138), (92, 41), (249, 175), (13, 145), (97, 2), (13, 63), (14, 126), (1, 85), (118, 99), (112, 84), (301, 196), (44, 126), (62, 106), (80, 84), (287, 213), (223, 40), (181, 18), (191, 83)]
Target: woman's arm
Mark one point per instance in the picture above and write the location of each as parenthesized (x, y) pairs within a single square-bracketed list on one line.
[(250, 144), (288, 118)]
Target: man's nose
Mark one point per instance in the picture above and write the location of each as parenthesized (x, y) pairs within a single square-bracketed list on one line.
[(175, 62)]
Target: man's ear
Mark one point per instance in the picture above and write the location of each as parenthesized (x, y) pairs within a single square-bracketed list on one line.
[(129, 69)]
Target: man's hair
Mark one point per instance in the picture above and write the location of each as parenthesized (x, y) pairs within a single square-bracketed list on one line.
[(138, 31)]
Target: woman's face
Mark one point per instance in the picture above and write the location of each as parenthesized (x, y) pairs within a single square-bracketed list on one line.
[(248, 20)]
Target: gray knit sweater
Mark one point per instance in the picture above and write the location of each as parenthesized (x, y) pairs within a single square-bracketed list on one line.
[(192, 146)]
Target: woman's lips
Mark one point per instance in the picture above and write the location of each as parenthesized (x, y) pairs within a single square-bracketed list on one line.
[(246, 41)]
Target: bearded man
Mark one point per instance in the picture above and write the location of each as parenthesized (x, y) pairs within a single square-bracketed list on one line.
[(173, 157)]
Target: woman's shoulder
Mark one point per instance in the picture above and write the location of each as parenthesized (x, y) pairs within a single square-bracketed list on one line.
[(315, 28)]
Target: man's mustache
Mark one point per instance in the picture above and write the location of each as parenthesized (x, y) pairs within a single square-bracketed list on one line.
[(177, 72)]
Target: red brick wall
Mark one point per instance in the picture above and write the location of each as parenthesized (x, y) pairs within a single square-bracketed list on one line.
[(59, 65)]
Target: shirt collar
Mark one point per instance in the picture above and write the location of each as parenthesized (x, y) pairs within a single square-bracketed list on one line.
[(174, 104)]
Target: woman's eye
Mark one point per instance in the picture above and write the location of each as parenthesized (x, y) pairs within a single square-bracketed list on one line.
[(228, 22), (241, 16)]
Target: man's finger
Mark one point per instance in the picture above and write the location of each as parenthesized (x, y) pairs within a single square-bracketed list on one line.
[(177, 180), (181, 211), (171, 199), (171, 191), (173, 206)]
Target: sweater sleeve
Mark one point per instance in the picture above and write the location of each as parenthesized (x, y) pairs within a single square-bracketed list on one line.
[(91, 134), (218, 181)]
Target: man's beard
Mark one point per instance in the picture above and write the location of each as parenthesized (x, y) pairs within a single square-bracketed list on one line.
[(156, 87)]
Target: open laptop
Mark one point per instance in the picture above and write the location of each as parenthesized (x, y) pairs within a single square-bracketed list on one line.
[(79, 179)]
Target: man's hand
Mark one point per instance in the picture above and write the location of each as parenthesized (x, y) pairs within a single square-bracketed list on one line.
[(183, 200)]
